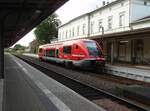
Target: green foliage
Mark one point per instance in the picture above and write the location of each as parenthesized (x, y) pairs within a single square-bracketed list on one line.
[(47, 29), (8, 49), (18, 47)]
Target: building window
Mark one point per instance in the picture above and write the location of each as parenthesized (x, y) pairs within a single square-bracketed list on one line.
[(62, 35), (70, 33), (145, 3), (100, 13), (110, 20), (73, 32), (66, 33), (100, 25), (122, 3), (83, 29), (110, 9), (92, 26), (92, 15), (78, 29), (59, 35), (121, 19)]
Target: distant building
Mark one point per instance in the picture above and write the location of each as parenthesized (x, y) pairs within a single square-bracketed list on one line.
[(33, 46), (122, 26)]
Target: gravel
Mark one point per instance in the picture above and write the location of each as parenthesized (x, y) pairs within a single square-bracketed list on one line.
[(111, 105)]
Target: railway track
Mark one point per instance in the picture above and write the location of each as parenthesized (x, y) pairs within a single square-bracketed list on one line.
[(102, 75), (85, 90), (114, 78)]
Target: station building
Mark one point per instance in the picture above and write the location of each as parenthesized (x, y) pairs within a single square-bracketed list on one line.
[(122, 27)]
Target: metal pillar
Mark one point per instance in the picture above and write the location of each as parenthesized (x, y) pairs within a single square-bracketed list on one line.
[(1, 53), (112, 53)]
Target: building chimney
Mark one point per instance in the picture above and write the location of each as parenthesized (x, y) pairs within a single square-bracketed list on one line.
[(104, 3)]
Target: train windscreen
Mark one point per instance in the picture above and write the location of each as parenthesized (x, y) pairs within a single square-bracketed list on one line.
[(93, 48)]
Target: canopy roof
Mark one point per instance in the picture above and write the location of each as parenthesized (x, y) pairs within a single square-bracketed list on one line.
[(18, 17)]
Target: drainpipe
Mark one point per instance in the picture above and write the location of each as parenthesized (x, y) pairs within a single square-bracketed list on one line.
[(102, 30), (102, 35)]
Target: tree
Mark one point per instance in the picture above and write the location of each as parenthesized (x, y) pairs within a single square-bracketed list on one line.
[(47, 29), (19, 47)]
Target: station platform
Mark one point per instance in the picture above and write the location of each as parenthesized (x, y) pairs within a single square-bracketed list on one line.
[(28, 89), (140, 73)]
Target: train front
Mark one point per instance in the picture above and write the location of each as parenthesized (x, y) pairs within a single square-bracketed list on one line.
[(94, 55)]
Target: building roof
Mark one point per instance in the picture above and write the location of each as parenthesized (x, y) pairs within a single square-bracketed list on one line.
[(73, 20), (107, 5)]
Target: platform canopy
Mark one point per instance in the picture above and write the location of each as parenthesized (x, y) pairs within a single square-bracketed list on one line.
[(18, 17)]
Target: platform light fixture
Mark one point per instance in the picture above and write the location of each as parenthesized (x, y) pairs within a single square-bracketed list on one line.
[(125, 41)]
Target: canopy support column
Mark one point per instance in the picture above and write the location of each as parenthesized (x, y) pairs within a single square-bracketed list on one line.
[(1, 52)]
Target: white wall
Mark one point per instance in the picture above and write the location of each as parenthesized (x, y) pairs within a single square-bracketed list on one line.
[(139, 10), (74, 24), (113, 11)]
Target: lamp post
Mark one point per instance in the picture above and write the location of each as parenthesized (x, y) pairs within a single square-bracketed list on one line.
[(102, 34), (102, 30)]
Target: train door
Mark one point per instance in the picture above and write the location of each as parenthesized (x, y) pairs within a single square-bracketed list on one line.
[(75, 51), (139, 50), (67, 52), (110, 52), (60, 52), (57, 53), (44, 52)]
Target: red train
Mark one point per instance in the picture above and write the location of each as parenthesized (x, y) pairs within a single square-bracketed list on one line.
[(81, 53)]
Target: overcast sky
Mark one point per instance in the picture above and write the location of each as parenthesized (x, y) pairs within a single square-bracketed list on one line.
[(74, 8), (68, 11)]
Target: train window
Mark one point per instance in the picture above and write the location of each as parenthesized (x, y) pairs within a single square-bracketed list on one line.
[(93, 48), (57, 53), (76, 46), (40, 50), (50, 53), (67, 49)]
